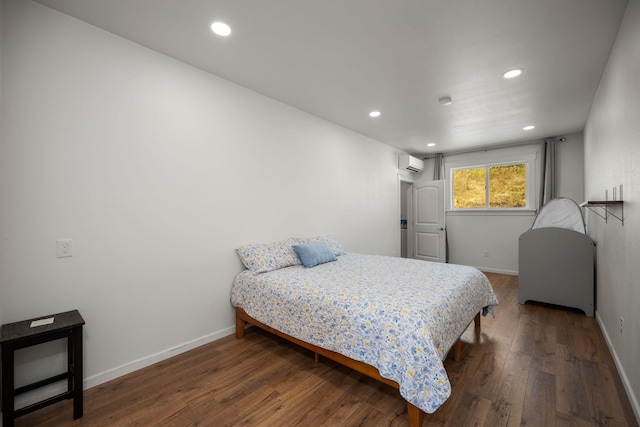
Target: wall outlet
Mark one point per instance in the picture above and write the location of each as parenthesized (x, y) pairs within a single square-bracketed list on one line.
[(486, 254), (64, 248), (621, 323)]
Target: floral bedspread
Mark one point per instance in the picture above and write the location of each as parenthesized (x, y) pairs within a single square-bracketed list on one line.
[(399, 315)]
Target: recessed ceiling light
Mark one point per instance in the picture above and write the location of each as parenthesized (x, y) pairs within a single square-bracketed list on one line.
[(374, 114), (431, 144), (512, 73), (221, 29), (445, 100), (528, 127)]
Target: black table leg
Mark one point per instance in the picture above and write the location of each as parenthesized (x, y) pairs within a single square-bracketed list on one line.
[(7, 386), (76, 349)]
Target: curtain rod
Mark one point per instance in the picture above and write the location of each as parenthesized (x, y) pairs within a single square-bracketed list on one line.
[(494, 147)]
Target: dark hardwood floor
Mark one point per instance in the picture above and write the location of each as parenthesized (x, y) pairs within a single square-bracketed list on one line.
[(531, 365)]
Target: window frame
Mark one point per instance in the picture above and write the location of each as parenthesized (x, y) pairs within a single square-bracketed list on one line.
[(531, 187)]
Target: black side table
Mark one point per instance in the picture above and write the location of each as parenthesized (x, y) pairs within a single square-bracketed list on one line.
[(19, 335)]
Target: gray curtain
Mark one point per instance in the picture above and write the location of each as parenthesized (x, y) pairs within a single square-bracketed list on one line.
[(548, 181), (438, 174), (438, 167)]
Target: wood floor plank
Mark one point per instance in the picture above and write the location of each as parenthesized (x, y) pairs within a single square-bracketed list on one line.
[(571, 392), (536, 339), (486, 381), (539, 406), (607, 409), (530, 365), (507, 407), (474, 413)]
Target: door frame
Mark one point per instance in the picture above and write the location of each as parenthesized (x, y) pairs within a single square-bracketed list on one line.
[(412, 181), (409, 209)]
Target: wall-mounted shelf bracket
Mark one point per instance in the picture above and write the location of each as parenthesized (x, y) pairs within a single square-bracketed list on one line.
[(603, 209)]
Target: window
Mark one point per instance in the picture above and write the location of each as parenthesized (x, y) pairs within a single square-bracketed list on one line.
[(496, 186)]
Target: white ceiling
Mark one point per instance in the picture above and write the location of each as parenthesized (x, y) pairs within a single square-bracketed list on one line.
[(340, 59)]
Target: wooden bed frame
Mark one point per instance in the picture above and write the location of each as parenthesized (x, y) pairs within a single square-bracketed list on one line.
[(415, 414)]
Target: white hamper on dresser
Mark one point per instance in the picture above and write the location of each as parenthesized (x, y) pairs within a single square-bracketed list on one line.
[(556, 259)]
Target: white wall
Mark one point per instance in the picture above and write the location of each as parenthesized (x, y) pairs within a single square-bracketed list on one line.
[(158, 171), (612, 157), (570, 167)]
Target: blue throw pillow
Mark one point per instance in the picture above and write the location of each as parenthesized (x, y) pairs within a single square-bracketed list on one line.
[(312, 254)]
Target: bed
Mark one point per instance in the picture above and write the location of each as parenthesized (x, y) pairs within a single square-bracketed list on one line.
[(556, 259), (393, 319)]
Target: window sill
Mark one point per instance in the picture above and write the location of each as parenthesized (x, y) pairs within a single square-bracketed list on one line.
[(492, 212)]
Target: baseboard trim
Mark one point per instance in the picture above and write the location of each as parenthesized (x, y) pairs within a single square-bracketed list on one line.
[(625, 380), (43, 393), (127, 368), (495, 270)]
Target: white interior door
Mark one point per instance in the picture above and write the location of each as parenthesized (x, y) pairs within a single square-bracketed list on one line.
[(429, 221)]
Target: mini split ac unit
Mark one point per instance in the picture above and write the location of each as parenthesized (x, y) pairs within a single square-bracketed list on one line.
[(410, 163)]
